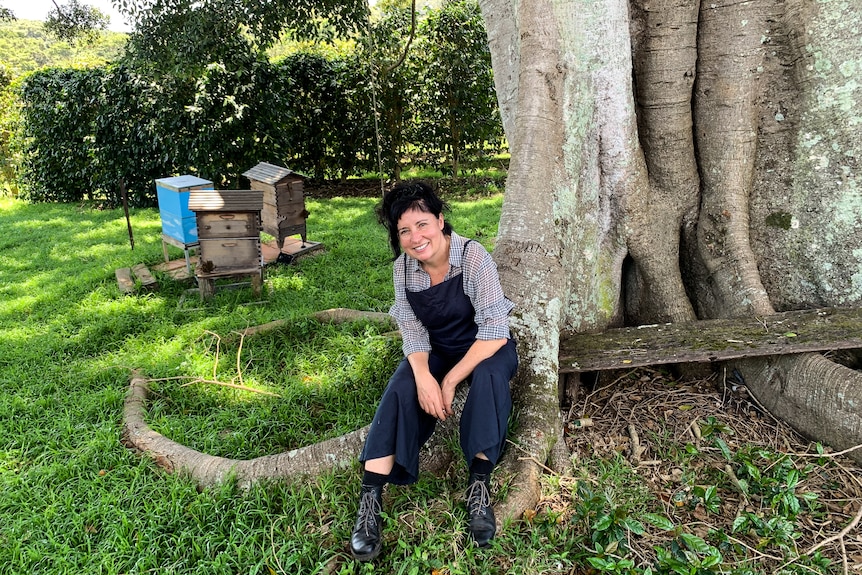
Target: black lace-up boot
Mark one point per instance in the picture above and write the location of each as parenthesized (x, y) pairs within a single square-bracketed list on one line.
[(365, 543), (481, 522)]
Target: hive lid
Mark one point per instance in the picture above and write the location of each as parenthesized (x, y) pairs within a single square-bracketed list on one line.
[(185, 181), (270, 173), (226, 200)]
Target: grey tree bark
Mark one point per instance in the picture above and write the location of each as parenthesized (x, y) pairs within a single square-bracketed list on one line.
[(674, 160)]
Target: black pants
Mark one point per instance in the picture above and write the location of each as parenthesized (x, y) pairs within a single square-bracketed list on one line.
[(401, 427)]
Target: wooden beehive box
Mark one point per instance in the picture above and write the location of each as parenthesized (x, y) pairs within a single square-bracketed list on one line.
[(229, 225), (284, 212)]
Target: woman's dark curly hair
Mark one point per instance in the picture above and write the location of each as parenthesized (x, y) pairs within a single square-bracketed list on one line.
[(407, 196)]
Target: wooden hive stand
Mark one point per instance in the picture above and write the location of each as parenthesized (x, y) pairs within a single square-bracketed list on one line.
[(228, 223)]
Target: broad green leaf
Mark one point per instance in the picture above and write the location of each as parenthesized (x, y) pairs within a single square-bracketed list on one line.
[(695, 543), (603, 523), (659, 521)]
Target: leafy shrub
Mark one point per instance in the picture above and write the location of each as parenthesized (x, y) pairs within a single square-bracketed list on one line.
[(90, 133), (60, 110)]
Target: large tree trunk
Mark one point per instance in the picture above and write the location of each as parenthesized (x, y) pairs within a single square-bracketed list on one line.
[(720, 183)]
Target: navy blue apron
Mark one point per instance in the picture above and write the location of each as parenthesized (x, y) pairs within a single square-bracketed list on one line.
[(401, 427), (448, 315)]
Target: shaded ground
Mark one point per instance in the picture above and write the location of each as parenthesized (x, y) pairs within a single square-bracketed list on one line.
[(774, 499), (364, 188)]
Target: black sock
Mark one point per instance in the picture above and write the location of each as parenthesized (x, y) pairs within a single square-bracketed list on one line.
[(481, 466), (375, 479)]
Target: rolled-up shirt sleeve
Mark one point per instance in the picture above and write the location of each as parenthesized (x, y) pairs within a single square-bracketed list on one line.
[(482, 286)]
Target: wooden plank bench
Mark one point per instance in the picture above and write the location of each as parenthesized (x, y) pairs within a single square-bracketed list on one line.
[(710, 340)]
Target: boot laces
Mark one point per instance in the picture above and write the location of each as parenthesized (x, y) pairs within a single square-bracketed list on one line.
[(369, 511), (478, 498)]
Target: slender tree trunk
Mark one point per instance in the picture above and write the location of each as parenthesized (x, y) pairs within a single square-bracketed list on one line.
[(528, 246), (730, 52)]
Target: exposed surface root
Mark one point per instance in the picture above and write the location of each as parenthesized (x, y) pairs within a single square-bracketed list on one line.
[(207, 470)]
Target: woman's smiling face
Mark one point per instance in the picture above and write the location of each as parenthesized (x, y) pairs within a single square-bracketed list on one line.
[(421, 236)]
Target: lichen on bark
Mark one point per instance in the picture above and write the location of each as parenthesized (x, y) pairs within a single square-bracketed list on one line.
[(809, 158)]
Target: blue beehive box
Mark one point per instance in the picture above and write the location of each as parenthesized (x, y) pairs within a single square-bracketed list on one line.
[(178, 221)]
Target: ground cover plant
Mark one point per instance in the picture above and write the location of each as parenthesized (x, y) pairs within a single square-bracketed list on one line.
[(73, 499)]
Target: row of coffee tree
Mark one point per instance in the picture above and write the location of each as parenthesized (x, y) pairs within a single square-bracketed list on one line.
[(88, 133)]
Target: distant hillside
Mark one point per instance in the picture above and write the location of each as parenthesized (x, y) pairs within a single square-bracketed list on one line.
[(24, 46)]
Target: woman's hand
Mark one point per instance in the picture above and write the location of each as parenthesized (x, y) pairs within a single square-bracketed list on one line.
[(427, 386), (478, 352), (430, 396), (447, 389)]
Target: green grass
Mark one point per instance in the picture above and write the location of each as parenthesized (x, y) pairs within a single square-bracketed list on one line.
[(328, 380), (74, 500)]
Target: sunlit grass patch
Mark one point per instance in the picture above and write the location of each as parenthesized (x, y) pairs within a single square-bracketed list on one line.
[(78, 501), (290, 387)]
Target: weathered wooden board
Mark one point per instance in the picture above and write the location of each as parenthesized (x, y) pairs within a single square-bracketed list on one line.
[(148, 282), (124, 280), (227, 255), (225, 201), (712, 340)]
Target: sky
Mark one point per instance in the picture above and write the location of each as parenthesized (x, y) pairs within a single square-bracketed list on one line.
[(38, 10)]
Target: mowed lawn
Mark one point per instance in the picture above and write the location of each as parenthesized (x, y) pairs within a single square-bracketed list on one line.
[(73, 499)]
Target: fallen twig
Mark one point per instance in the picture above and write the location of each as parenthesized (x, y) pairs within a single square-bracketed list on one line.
[(844, 561), (218, 349), (834, 454), (636, 445), (758, 554), (837, 537), (735, 480), (233, 385), (238, 355), (613, 383), (531, 458)]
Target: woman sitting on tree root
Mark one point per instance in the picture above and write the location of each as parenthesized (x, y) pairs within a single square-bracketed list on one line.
[(454, 321)]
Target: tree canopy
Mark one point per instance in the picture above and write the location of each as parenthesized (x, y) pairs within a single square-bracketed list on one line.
[(76, 21), (187, 34)]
